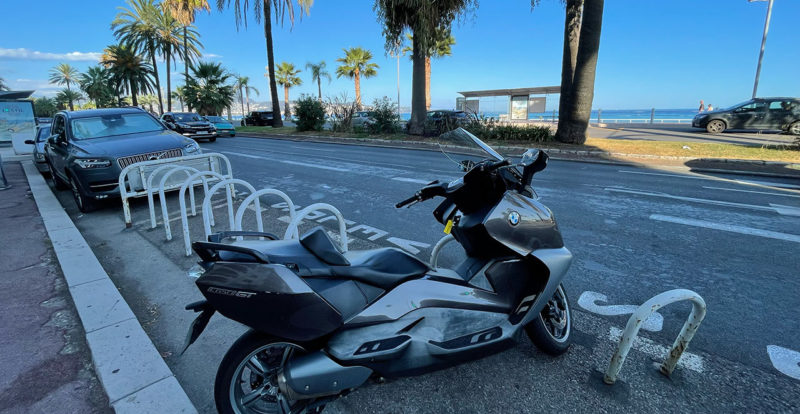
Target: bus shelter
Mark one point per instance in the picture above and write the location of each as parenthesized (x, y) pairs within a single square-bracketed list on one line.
[(522, 102)]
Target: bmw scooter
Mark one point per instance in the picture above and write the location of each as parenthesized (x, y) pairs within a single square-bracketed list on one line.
[(323, 322)]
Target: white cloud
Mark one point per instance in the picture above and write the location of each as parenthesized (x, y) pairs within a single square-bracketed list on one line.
[(211, 56), (26, 54)]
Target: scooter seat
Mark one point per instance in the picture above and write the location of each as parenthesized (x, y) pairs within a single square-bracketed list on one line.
[(383, 268)]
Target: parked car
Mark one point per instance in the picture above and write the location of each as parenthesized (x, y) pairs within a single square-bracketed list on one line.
[(190, 125), (42, 132), (442, 120), (755, 114), (44, 120), (362, 119), (224, 127), (87, 150), (258, 118)]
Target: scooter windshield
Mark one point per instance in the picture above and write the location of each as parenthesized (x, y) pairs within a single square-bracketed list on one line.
[(463, 148)]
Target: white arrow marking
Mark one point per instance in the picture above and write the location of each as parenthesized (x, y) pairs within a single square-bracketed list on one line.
[(588, 300), (785, 360)]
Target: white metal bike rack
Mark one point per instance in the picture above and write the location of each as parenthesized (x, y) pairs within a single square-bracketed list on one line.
[(642, 313), (437, 249), (229, 183), (256, 195), (190, 181), (133, 179), (293, 233), (151, 189), (182, 200)]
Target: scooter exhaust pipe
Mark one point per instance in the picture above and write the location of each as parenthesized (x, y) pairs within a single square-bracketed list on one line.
[(316, 375)]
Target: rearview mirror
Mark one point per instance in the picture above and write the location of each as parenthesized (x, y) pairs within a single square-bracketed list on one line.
[(534, 161), (29, 141)]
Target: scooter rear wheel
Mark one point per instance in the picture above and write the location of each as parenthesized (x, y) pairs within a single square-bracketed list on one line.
[(246, 380), (551, 330)]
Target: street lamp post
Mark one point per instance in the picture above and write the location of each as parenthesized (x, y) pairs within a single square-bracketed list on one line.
[(763, 44)]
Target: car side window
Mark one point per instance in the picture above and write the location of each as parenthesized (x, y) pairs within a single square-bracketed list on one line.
[(752, 107), (780, 106), (58, 125)]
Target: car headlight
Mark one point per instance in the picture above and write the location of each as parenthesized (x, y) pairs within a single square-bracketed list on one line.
[(92, 163), (191, 147)]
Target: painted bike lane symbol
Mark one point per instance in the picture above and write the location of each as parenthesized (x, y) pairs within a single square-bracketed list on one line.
[(785, 360), (593, 302)]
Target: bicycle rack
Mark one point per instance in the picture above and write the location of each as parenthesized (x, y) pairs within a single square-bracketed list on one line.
[(642, 313), (192, 174), (182, 200), (437, 249), (230, 182), (150, 190), (292, 232), (133, 179), (252, 197)]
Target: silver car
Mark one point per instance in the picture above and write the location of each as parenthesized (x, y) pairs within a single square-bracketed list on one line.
[(362, 119)]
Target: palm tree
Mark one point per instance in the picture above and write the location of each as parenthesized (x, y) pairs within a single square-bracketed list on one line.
[(286, 76), (171, 33), (45, 107), (3, 86), (96, 83), (148, 100), (355, 64), (208, 89), (243, 86), (178, 94), (440, 48), (129, 71), (137, 26), (64, 74), (424, 20), (185, 12), (66, 96), (262, 10), (318, 72)]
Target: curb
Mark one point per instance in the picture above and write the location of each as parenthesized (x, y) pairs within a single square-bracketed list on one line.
[(596, 157), (128, 365)]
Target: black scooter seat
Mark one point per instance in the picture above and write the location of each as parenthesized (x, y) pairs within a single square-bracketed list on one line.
[(384, 268)]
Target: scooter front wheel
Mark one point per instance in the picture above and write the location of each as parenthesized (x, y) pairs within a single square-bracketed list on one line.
[(551, 330), (247, 378)]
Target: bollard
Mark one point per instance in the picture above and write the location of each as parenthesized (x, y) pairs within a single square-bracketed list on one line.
[(641, 315), (3, 181)]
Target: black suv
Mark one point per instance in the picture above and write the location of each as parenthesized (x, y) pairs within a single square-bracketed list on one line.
[(758, 113), (190, 125), (258, 118), (87, 150)]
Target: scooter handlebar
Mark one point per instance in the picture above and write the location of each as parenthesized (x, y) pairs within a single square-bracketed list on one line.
[(407, 201)]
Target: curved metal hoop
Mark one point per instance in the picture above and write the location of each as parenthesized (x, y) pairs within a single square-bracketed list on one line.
[(257, 195), (187, 242), (206, 209), (292, 232)]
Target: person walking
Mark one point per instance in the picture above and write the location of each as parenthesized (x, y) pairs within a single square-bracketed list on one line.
[(702, 106)]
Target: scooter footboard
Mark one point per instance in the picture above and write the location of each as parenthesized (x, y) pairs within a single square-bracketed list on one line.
[(557, 262), (269, 298)]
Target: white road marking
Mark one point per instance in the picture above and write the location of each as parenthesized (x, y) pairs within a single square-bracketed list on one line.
[(411, 180), (588, 300), (688, 359), (324, 167), (785, 360), (700, 200), (408, 245), (751, 191), (239, 154), (728, 227), (666, 175), (768, 184), (786, 210)]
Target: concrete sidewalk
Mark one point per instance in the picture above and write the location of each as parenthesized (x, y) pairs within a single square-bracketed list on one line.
[(45, 360)]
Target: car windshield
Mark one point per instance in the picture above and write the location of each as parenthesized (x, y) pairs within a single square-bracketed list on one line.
[(215, 119), (459, 145), (113, 124), (44, 132), (187, 117)]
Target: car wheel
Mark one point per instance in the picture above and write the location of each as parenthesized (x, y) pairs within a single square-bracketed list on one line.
[(716, 126), (212, 139), (85, 204), (794, 128), (58, 183)]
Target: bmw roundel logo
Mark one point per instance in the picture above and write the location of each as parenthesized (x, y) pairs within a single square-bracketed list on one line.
[(513, 218)]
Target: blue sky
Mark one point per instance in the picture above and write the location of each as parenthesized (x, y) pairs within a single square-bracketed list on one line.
[(666, 54)]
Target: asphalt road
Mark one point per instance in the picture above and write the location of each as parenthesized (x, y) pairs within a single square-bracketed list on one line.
[(635, 232), (680, 132)]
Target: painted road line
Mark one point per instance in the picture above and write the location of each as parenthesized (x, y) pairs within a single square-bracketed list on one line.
[(751, 191), (667, 175), (782, 210), (728, 227), (588, 300), (323, 167), (411, 180), (786, 210), (785, 360), (239, 154), (768, 184), (688, 360)]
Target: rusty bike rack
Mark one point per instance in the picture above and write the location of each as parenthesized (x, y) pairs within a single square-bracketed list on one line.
[(642, 313)]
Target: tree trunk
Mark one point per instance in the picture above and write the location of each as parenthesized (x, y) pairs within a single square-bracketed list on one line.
[(573, 126), (155, 74), (169, 83), (181, 101), (71, 108), (277, 122), (286, 101), (186, 64), (417, 123), (357, 78), (428, 83), (241, 97), (134, 101), (247, 94), (572, 27), (319, 87)]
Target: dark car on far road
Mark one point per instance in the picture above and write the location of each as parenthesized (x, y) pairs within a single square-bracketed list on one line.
[(258, 118), (755, 114), (87, 150), (42, 132), (190, 125)]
